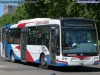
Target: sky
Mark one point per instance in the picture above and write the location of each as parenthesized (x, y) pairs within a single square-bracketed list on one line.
[(2, 5)]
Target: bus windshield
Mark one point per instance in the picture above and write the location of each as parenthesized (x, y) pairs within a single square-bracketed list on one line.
[(79, 40)]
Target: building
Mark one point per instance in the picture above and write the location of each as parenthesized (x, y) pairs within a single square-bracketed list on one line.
[(9, 9)]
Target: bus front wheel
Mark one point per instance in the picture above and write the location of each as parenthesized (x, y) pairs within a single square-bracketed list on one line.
[(43, 62)]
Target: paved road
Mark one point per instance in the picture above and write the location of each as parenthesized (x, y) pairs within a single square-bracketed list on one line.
[(8, 68)]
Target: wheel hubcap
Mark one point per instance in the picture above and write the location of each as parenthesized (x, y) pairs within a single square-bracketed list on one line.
[(43, 61)]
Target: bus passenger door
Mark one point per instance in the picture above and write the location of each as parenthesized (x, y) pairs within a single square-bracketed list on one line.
[(5, 42), (23, 43), (53, 46)]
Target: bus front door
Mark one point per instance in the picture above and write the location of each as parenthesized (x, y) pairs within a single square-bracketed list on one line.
[(52, 47), (5, 41), (23, 45)]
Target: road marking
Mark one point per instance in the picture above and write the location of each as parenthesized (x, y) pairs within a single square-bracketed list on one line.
[(96, 72), (1, 66)]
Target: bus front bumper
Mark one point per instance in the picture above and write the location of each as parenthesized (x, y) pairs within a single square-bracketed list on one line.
[(84, 62)]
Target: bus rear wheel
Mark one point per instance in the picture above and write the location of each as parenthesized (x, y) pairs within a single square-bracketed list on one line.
[(43, 62), (12, 57)]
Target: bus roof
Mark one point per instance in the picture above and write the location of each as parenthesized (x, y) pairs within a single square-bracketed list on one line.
[(39, 22), (41, 19), (33, 20)]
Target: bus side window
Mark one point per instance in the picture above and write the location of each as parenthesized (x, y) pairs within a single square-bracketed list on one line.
[(40, 39), (14, 36), (17, 36), (31, 36), (10, 39), (47, 38), (11, 36), (58, 43)]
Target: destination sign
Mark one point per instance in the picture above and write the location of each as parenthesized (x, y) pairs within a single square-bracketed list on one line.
[(88, 1), (77, 22)]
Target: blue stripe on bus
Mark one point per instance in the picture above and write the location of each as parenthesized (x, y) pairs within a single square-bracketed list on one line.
[(16, 57), (9, 50), (96, 63), (8, 26), (61, 64), (37, 61), (48, 59), (2, 44)]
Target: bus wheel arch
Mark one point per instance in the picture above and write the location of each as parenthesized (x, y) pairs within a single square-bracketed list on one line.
[(43, 62), (12, 56)]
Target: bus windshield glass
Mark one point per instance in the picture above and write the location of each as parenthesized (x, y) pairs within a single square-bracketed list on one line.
[(79, 40)]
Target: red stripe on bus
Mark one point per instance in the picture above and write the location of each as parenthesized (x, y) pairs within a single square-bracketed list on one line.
[(21, 25), (18, 47), (29, 57), (81, 57), (62, 61)]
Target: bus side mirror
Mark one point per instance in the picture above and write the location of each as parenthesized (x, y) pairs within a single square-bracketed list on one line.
[(56, 32), (99, 42)]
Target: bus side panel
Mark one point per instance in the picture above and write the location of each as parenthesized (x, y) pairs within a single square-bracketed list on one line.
[(2, 49), (9, 50), (16, 49), (33, 53)]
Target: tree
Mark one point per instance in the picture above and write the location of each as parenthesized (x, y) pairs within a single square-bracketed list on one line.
[(5, 19), (14, 18), (20, 14), (53, 9)]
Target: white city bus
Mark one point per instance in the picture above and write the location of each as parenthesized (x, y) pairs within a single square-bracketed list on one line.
[(57, 42)]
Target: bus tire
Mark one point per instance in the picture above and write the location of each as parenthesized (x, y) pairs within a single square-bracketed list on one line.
[(43, 62), (12, 57)]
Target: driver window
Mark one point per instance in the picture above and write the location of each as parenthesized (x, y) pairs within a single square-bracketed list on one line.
[(67, 39)]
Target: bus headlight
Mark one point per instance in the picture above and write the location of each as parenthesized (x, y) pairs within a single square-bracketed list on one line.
[(96, 58), (87, 58), (64, 58), (73, 59)]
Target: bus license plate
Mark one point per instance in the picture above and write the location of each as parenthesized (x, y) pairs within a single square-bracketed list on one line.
[(81, 63)]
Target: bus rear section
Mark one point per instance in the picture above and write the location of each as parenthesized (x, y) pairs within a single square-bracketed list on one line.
[(4, 38), (79, 42)]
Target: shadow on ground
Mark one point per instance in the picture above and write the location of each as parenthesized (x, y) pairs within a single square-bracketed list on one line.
[(62, 69)]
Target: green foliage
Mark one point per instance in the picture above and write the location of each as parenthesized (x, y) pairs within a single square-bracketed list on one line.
[(63, 9), (53, 9), (5, 19), (20, 14), (14, 18)]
